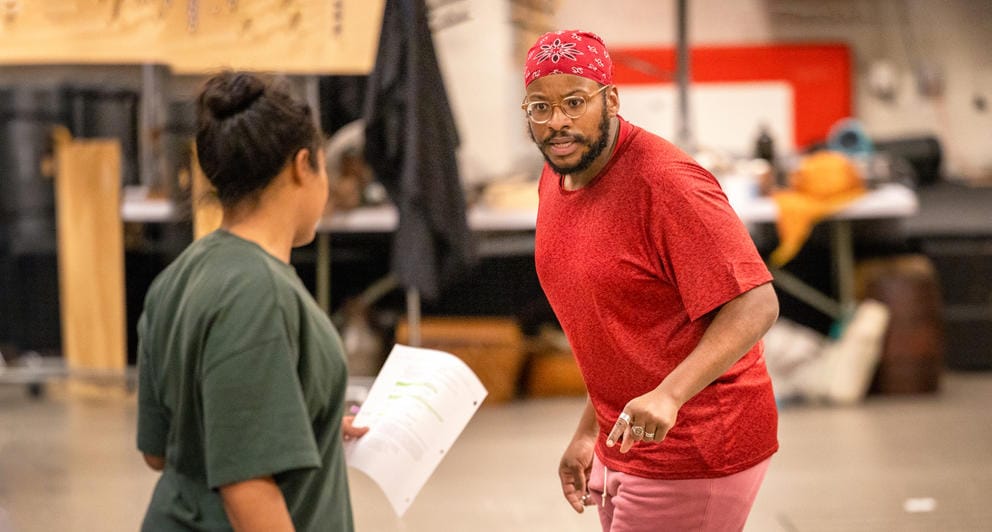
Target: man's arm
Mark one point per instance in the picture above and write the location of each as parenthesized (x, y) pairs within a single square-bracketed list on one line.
[(256, 505), (738, 325), (576, 462)]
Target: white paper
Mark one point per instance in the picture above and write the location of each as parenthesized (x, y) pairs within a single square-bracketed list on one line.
[(418, 405)]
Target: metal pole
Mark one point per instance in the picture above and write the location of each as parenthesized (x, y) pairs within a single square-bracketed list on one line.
[(151, 124), (311, 86), (683, 130), (323, 285)]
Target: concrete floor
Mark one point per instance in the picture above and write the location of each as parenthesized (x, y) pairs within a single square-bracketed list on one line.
[(68, 463)]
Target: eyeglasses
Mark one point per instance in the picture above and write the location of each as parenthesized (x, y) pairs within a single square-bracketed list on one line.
[(572, 106)]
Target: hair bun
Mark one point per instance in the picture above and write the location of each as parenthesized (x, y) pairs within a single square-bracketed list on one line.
[(231, 93)]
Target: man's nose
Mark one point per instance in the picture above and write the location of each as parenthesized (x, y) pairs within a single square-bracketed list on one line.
[(558, 118)]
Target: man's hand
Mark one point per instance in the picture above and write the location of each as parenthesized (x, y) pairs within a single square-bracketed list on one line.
[(647, 419), (574, 470)]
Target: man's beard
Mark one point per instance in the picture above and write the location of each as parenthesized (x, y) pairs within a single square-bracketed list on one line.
[(587, 159)]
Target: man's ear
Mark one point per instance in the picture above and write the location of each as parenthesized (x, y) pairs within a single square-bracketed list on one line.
[(613, 101)]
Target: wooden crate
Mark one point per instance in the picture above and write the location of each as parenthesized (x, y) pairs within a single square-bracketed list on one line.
[(491, 347), (551, 370)]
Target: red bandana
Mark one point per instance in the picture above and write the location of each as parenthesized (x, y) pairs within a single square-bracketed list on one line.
[(576, 52)]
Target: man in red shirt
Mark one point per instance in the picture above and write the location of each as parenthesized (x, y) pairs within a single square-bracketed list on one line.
[(664, 299)]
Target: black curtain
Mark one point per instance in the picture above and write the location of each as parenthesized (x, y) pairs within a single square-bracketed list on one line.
[(410, 143)]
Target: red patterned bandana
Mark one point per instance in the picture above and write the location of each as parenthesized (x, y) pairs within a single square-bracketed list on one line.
[(576, 52)]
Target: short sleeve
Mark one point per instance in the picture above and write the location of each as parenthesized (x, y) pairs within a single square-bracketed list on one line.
[(706, 248), (255, 419), (153, 417)]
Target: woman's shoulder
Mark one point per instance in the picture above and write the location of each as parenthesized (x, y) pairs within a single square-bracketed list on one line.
[(213, 265)]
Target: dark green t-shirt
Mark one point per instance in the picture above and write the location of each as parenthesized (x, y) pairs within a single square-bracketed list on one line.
[(241, 376)]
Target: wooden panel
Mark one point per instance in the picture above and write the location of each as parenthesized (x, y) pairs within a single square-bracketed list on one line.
[(195, 36), (91, 253)]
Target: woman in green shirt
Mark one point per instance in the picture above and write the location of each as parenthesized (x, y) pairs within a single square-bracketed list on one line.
[(241, 375)]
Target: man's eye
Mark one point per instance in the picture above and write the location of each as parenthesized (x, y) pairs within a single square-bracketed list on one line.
[(539, 107), (574, 103)]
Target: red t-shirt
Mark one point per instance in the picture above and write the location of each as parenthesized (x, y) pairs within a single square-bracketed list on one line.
[(633, 265)]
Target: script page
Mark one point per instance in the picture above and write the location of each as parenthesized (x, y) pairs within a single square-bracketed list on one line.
[(418, 405)]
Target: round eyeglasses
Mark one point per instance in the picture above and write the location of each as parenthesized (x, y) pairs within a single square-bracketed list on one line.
[(574, 106)]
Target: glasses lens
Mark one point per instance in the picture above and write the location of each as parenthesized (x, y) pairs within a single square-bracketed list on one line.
[(539, 112), (573, 106)]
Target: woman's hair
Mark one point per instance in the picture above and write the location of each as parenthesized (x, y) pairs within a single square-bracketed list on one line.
[(248, 128)]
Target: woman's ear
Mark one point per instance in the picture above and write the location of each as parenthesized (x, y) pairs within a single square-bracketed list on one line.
[(302, 164)]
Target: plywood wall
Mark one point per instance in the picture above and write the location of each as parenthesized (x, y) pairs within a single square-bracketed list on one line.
[(195, 36)]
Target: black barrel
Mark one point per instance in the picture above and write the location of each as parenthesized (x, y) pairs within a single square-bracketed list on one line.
[(27, 193)]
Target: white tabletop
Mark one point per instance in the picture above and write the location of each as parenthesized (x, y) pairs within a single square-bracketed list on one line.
[(148, 210), (890, 200), (887, 201)]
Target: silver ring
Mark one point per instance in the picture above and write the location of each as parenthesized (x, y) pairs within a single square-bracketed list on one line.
[(625, 417), (649, 435), (638, 431)]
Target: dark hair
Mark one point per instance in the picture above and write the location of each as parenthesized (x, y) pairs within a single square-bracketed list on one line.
[(248, 128)]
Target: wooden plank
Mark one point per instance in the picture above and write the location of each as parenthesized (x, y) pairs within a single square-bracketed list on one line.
[(196, 36), (91, 253), (277, 35)]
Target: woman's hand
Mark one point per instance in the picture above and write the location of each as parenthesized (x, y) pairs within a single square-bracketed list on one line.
[(349, 431)]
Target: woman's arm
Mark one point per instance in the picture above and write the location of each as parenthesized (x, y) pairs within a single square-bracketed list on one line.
[(256, 505), (157, 463)]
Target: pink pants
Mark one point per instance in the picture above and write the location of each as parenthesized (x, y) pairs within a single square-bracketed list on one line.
[(637, 504)]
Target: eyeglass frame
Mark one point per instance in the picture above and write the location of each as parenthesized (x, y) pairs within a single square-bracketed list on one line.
[(585, 100)]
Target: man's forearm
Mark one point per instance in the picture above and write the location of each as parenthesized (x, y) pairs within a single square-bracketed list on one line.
[(588, 425), (737, 326)]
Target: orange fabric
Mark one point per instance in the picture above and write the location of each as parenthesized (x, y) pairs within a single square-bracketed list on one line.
[(824, 184)]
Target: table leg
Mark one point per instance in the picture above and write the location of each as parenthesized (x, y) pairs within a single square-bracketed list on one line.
[(323, 285), (413, 315), (842, 243), (806, 293)]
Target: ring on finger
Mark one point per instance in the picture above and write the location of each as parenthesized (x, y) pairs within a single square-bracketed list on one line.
[(649, 435), (638, 431), (625, 417)]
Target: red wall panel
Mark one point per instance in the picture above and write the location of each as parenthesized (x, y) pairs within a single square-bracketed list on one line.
[(820, 76)]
